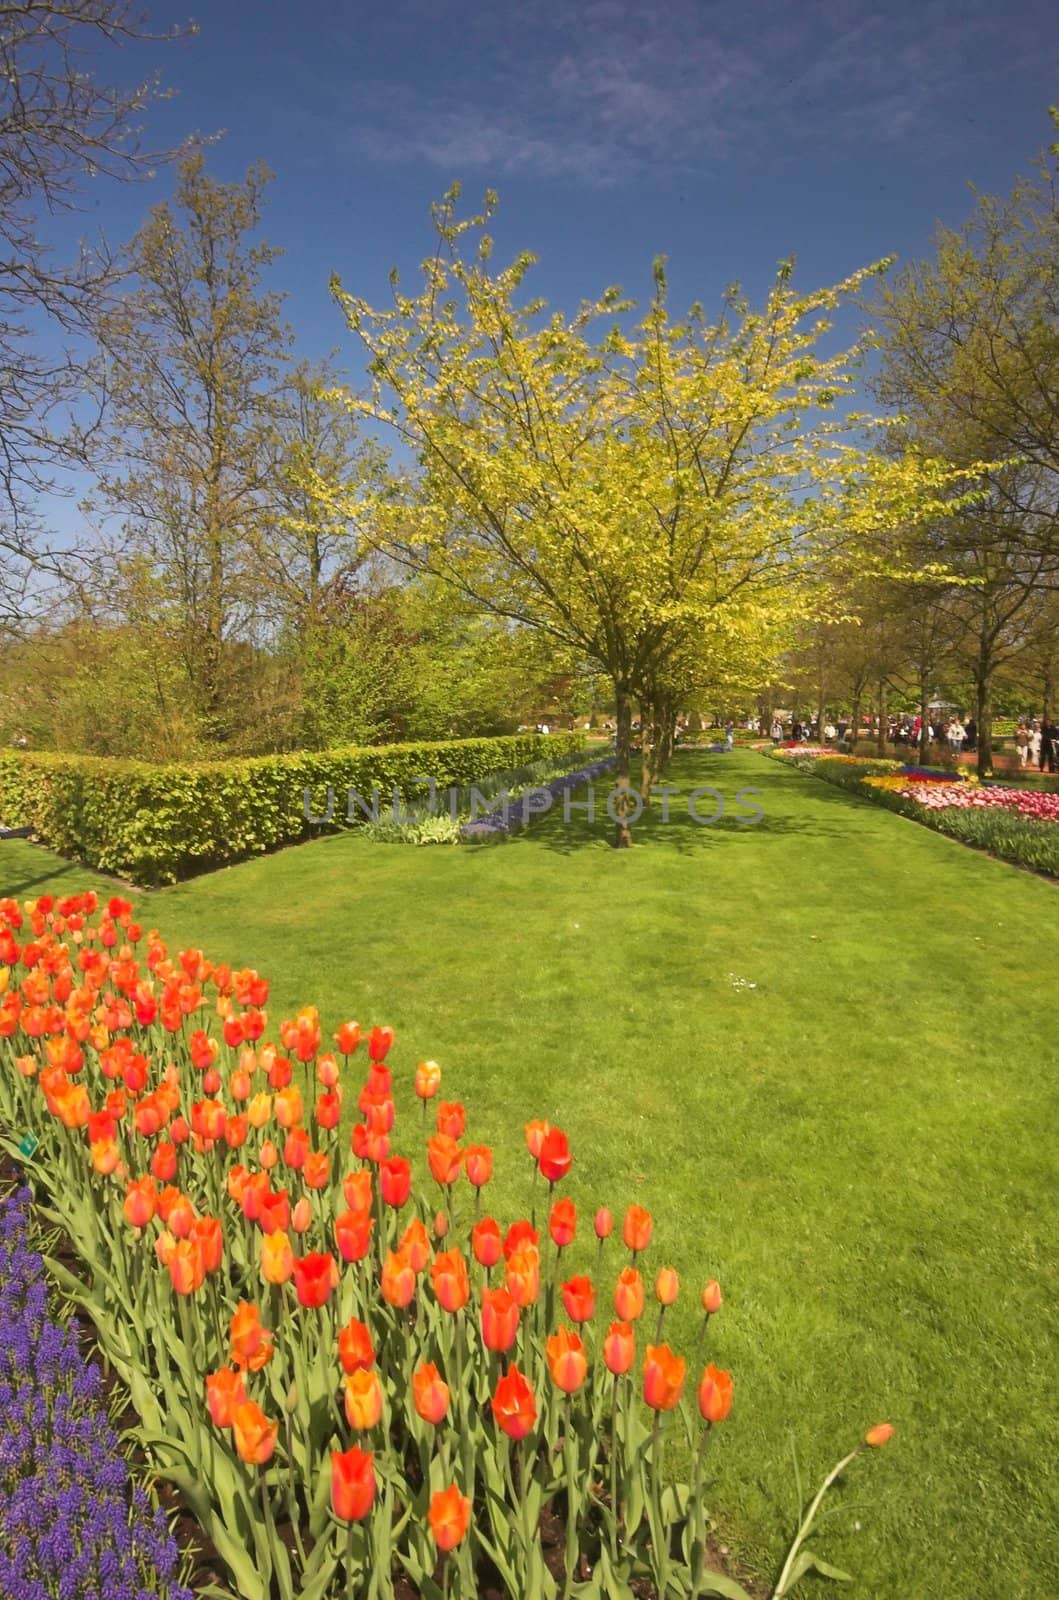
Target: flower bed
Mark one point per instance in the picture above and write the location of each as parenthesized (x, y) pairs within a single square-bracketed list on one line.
[(70, 1524), (347, 1380), (1018, 825)]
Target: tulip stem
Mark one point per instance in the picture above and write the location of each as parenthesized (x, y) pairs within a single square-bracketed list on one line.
[(807, 1522), (292, 1493), (614, 1473), (266, 1510)]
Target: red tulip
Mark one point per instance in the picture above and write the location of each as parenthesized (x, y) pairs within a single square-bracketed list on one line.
[(348, 1037), (452, 1118), (355, 1348), (513, 1405), (352, 1483), (415, 1244), (395, 1181), (312, 1278), (555, 1159), (379, 1043), (579, 1298), (604, 1223)]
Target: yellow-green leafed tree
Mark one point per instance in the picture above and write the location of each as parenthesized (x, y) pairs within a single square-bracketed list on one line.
[(614, 482)]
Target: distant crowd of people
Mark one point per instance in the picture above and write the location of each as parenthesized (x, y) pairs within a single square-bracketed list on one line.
[(1036, 739)]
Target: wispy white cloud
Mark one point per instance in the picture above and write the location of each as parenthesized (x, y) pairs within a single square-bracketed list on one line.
[(596, 90)]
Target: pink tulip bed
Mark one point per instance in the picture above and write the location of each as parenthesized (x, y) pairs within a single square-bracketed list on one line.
[(1018, 825)]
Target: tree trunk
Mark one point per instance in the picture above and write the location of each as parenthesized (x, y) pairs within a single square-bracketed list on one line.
[(1048, 691), (924, 718), (622, 746), (880, 732), (983, 711), (650, 755), (668, 731), (854, 728)]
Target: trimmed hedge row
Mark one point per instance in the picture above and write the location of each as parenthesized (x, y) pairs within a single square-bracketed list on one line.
[(1024, 840), (157, 824)]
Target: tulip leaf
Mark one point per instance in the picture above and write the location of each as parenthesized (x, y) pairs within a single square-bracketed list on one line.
[(716, 1583), (614, 1584), (808, 1561)]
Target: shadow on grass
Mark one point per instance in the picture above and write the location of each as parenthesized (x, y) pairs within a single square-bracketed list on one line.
[(723, 818)]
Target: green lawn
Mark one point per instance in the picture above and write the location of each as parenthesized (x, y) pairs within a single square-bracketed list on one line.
[(862, 1147)]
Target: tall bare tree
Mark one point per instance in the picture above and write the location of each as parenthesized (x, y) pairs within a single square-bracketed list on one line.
[(193, 361), (60, 127)]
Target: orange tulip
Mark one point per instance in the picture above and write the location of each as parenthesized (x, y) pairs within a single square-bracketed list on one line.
[(352, 1484), (251, 1343), (206, 1233), (876, 1436), (353, 1235), (441, 1225), (711, 1298), (363, 1394), (514, 1406), (329, 1109), (288, 1107), (499, 1319), (715, 1394), (536, 1133), (619, 1348), (140, 1200), (519, 1233), (317, 1169), (567, 1361), (427, 1080), (268, 1155), (579, 1298), (637, 1229), (356, 1186), (415, 1244), (449, 1517), (355, 1349), (259, 1109), (487, 1242), (106, 1157), (302, 1215), (398, 1279), (522, 1276), (327, 1070), (478, 1164), (164, 1161), (430, 1395), (255, 1436), (628, 1295), (663, 1377), (444, 1156), (452, 1118), (296, 1149), (277, 1258), (562, 1224), (667, 1286), (448, 1274), (187, 1270), (224, 1390)]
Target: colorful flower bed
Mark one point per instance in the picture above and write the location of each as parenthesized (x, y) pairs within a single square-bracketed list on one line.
[(70, 1526), (346, 1380), (1017, 825)]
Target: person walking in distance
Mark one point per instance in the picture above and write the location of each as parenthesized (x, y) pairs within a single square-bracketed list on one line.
[(1049, 745)]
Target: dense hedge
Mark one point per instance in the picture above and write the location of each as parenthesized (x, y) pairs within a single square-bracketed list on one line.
[(155, 824)]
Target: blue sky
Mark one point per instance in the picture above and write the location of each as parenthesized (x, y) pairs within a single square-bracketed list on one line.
[(724, 136)]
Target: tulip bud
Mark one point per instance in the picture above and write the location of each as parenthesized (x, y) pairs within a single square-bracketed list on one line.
[(667, 1286), (604, 1223), (878, 1435), (301, 1216), (711, 1298)]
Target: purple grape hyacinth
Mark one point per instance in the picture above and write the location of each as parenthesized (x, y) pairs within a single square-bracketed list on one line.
[(72, 1526)]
